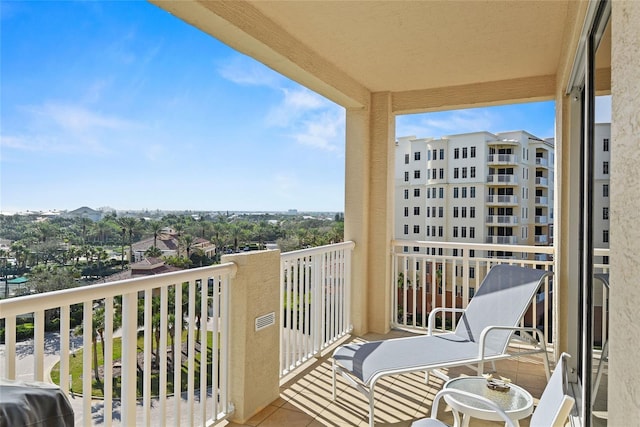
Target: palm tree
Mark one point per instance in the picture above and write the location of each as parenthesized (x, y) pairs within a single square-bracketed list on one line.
[(85, 223), (188, 241), (156, 228), (129, 224)]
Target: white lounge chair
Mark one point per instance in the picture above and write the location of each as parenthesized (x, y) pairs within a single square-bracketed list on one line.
[(552, 410), (482, 334)]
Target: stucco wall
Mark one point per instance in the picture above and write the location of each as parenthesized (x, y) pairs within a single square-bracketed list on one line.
[(624, 366)]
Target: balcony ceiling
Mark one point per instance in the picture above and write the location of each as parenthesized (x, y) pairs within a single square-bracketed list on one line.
[(348, 49)]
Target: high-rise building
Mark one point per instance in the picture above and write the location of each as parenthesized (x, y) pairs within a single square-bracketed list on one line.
[(475, 188)]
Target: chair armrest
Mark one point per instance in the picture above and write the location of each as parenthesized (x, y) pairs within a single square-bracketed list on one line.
[(432, 316), (450, 391), (488, 329)]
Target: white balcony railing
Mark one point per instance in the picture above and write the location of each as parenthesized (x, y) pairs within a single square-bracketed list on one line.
[(502, 240), (495, 199), (502, 219), (540, 200), (316, 289), (423, 281), (541, 219), (505, 159), (164, 303), (502, 179), (542, 238), (542, 181), (541, 161)]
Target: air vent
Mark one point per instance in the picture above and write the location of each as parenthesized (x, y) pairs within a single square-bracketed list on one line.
[(265, 321)]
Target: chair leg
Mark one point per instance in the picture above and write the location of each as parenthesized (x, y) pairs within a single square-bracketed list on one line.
[(371, 417), (333, 380)]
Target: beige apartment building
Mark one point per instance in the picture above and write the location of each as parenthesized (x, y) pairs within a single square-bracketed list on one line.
[(475, 188)]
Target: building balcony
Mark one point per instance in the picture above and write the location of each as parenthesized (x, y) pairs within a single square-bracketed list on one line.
[(502, 200), (502, 159), (502, 240), (541, 219), (541, 239), (502, 179), (541, 200), (542, 181), (541, 161), (295, 339), (502, 219)]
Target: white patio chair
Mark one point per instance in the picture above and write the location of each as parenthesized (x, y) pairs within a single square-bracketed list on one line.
[(483, 334)]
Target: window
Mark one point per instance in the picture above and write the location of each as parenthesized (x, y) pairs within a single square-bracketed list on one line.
[(464, 192), (440, 250), (473, 171), (464, 212), (417, 249), (440, 233), (433, 230), (406, 229), (605, 213), (605, 168), (456, 153), (605, 236), (405, 249), (406, 176), (441, 212), (435, 154), (472, 212), (455, 212), (428, 216), (463, 232), (456, 173), (428, 194), (406, 211), (472, 275), (433, 193), (441, 192), (473, 152), (416, 155), (406, 194), (455, 253), (406, 159), (416, 229), (605, 144), (416, 192), (472, 192), (605, 190), (441, 173), (416, 210), (464, 152), (434, 173), (464, 172), (428, 155), (455, 192), (416, 174), (428, 234), (433, 211), (442, 154), (472, 252), (472, 235)]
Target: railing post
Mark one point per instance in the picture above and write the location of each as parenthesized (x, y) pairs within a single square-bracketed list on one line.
[(129, 357)]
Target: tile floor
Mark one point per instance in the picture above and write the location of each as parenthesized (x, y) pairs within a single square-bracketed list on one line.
[(306, 399)]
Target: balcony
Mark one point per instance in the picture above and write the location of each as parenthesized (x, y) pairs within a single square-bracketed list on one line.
[(541, 161), (541, 239), (494, 199), (502, 240), (502, 159), (502, 179), (541, 219), (311, 288), (542, 181), (541, 200), (502, 219)]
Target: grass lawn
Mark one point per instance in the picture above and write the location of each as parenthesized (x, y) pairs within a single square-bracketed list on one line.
[(98, 386)]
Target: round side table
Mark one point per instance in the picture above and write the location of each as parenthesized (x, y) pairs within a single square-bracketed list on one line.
[(516, 402)]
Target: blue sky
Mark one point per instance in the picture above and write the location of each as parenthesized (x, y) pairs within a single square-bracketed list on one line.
[(120, 104)]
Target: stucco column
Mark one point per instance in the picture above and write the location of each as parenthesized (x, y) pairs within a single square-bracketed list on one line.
[(381, 212), (567, 229), (255, 356), (356, 208), (624, 326)]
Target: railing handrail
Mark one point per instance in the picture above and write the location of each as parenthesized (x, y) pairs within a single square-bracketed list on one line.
[(48, 300), (317, 250)]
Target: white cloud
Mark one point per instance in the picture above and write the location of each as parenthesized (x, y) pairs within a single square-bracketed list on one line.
[(60, 127), (447, 123), (245, 71), (324, 131), (286, 185)]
